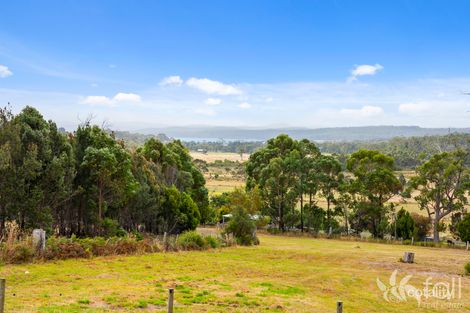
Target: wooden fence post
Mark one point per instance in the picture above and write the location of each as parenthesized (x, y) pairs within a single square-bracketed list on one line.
[(2, 294), (339, 307), (170, 300)]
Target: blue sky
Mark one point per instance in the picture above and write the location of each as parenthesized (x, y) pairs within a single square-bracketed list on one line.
[(252, 63)]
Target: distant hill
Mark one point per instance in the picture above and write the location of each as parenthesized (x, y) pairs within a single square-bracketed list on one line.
[(365, 133)]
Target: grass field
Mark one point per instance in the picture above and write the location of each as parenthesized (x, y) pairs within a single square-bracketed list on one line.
[(283, 274), (213, 156)]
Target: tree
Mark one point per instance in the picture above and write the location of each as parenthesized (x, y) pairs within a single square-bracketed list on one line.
[(373, 185), (463, 228), (422, 225), (441, 182), (329, 179), (273, 170), (242, 227), (405, 225)]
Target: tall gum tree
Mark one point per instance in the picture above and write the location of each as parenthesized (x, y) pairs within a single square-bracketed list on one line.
[(442, 183)]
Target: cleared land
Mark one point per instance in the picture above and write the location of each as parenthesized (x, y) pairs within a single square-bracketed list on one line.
[(283, 274), (213, 156)]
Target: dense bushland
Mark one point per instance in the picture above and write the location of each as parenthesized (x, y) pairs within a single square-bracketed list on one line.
[(87, 183), (292, 176)]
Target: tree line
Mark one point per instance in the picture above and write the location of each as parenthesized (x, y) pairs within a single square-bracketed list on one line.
[(293, 176), (88, 183)]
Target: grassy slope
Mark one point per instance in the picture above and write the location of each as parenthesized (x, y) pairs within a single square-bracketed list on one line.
[(282, 275)]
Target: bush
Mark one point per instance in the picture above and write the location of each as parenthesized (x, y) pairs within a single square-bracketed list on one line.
[(242, 228), (467, 269), (463, 228), (20, 252), (191, 240), (365, 234), (212, 242), (405, 225), (64, 248), (111, 228), (422, 225)]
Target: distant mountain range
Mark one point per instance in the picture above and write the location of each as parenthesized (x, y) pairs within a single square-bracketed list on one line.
[(365, 133)]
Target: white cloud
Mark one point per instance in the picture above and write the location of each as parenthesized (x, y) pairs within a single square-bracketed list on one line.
[(205, 111), (171, 81), (127, 97), (5, 71), (365, 111), (413, 108), (98, 100), (106, 101), (244, 105), (212, 87), (213, 101), (364, 69)]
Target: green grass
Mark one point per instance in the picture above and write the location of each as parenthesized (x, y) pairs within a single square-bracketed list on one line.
[(283, 274)]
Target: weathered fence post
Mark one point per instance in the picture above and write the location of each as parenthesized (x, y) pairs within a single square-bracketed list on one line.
[(467, 245), (165, 243), (339, 307), (170, 300), (2, 294), (408, 257), (412, 240), (39, 240)]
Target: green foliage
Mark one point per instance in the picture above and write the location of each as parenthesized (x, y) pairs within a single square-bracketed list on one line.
[(87, 183), (463, 228), (242, 227), (191, 240), (467, 269), (283, 171), (374, 183), (111, 228), (422, 225), (442, 183), (405, 225), (212, 242)]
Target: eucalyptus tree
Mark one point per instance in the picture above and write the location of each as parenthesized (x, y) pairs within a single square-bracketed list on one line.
[(330, 176), (274, 169), (374, 183), (443, 184)]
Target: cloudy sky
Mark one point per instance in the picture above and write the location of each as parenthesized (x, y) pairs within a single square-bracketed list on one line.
[(138, 64)]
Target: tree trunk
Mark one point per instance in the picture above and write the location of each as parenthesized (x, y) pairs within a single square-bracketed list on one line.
[(436, 231), (100, 201), (281, 219), (328, 218), (301, 212)]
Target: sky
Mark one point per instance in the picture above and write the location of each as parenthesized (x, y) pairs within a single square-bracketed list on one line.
[(254, 63)]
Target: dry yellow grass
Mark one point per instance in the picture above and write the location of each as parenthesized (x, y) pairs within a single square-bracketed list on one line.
[(213, 156)]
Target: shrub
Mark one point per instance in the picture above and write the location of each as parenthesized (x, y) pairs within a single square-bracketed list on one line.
[(20, 252), (111, 228), (463, 228), (191, 240), (64, 248), (242, 228), (365, 234), (467, 269), (422, 225), (405, 225), (212, 242)]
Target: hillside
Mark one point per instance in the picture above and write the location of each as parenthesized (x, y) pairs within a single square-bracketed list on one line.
[(366, 133)]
